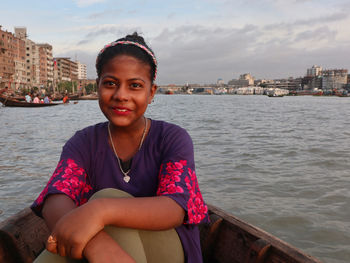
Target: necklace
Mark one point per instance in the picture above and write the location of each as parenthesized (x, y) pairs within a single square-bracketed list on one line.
[(126, 174)]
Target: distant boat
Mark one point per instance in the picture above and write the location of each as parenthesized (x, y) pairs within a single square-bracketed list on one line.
[(10, 102), (275, 95)]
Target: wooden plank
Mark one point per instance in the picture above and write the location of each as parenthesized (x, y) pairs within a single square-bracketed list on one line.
[(25, 233), (237, 237)]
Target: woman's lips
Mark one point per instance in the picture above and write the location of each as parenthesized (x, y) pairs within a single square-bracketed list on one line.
[(121, 110)]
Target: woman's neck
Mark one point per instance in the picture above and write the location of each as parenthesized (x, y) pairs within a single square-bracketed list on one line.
[(127, 141)]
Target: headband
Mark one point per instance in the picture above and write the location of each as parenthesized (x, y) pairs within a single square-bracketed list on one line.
[(126, 42)]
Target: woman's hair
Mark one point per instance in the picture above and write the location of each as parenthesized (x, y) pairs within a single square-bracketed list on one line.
[(131, 45)]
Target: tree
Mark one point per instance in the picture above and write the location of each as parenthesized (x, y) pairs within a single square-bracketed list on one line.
[(90, 88)]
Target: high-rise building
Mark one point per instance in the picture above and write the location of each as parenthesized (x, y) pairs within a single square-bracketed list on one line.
[(314, 71), (67, 69), (81, 70), (45, 65), (7, 68), (243, 81), (334, 79), (20, 77)]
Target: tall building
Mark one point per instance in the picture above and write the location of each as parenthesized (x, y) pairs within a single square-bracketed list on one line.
[(32, 63), (334, 79), (67, 70), (45, 65), (63, 69), (81, 70), (20, 77), (7, 68), (314, 71), (243, 81)]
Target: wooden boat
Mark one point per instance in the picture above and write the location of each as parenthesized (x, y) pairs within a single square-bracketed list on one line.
[(9, 102), (275, 95), (226, 239)]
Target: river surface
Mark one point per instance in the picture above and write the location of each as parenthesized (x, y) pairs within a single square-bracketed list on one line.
[(282, 164)]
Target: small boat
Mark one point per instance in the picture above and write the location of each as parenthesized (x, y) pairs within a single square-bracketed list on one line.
[(226, 239), (10, 102), (275, 95)]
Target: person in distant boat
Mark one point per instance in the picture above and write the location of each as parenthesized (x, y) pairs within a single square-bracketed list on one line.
[(65, 99), (137, 173), (46, 99), (36, 99), (28, 98)]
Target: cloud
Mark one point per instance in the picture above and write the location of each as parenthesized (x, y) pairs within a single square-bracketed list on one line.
[(321, 33), (84, 3), (203, 54), (335, 17), (201, 51), (109, 33), (104, 14)]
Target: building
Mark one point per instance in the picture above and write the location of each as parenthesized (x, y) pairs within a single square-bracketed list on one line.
[(7, 68), (81, 70), (45, 65), (287, 84), (314, 71), (311, 82), (334, 79), (220, 82), (63, 68), (66, 70), (20, 77), (32, 63), (244, 80)]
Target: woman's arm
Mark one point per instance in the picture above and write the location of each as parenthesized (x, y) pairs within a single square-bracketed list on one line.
[(101, 248), (149, 213), (74, 228), (56, 206)]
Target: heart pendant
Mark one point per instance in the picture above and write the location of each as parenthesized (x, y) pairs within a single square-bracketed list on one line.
[(126, 178)]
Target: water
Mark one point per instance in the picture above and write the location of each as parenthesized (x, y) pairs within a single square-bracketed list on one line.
[(282, 164)]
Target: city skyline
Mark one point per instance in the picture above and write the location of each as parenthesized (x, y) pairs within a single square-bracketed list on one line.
[(197, 41)]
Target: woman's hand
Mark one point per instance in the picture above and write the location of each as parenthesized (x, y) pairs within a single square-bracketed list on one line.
[(75, 229), (102, 248)]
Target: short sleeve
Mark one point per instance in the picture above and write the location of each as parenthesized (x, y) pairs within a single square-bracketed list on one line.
[(70, 176), (177, 176)]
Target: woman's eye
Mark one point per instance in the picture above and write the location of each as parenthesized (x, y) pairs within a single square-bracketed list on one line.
[(109, 83), (136, 85)]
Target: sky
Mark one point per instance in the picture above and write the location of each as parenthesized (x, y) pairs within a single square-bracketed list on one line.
[(196, 41)]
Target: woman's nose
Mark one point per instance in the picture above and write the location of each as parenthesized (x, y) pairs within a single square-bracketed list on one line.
[(121, 93)]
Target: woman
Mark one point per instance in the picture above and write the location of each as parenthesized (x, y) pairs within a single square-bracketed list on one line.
[(150, 160)]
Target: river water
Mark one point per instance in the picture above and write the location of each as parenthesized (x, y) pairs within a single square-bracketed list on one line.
[(282, 164)]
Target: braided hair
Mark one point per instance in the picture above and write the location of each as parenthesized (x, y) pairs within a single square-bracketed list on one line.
[(131, 45)]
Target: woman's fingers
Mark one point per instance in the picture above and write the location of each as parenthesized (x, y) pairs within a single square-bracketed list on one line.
[(76, 252), (61, 250), (51, 244)]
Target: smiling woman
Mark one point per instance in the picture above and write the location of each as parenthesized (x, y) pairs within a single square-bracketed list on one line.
[(138, 175)]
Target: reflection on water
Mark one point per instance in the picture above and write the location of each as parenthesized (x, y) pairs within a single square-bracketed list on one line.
[(279, 163)]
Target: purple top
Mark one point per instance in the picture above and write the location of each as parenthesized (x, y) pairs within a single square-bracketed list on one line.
[(163, 166)]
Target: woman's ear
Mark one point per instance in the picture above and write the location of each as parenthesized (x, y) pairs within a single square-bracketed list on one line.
[(153, 92)]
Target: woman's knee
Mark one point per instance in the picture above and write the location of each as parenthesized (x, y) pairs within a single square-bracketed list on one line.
[(110, 193)]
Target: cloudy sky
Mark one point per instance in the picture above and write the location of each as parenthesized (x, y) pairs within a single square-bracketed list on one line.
[(196, 41)]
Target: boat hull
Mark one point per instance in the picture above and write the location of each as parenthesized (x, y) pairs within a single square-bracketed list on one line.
[(226, 239), (8, 102)]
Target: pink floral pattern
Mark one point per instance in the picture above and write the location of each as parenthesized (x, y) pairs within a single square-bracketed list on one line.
[(69, 179), (178, 178)]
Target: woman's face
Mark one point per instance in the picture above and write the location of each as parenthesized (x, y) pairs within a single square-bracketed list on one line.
[(125, 90)]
